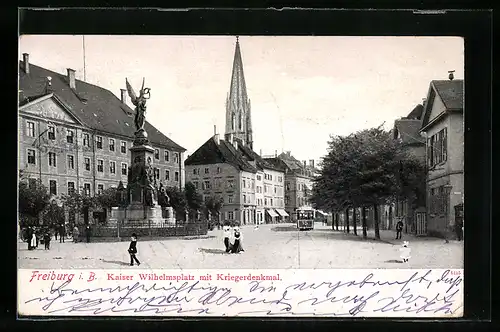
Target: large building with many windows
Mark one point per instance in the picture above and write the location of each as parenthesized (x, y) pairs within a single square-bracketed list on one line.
[(76, 136), (443, 126), (251, 187)]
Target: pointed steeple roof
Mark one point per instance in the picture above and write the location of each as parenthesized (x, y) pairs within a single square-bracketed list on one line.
[(238, 91)]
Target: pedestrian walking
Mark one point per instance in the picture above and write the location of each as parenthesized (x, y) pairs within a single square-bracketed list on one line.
[(46, 239), (227, 234), (34, 240), (399, 229), (459, 229), (62, 233), (76, 234), (55, 232), (29, 237), (87, 233), (132, 250)]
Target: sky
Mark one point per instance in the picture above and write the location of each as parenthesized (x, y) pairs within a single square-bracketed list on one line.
[(302, 89)]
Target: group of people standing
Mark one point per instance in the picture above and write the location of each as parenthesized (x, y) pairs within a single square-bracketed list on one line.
[(33, 235), (232, 238)]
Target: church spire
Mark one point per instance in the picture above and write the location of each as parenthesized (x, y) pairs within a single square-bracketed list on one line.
[(238, 119)]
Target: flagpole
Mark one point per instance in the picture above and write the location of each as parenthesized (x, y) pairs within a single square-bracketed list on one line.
[(84, 71)]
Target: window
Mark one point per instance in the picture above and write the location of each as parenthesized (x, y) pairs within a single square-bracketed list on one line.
[(157, 173), (176, 176), (270, 177), (275, 190), (206, 184), (124, 169), (157, 154), (52, 159), (265, 201), (244, 198), (196, 185), (100, 188), (71, 188), (30, 129), (100, 165), (230, 184), (265, 188), (112, 167), (176, 157), (123, 147), (51, 132), (86, 189), (194, 171), (86, 139), (207, 170), (167, 175), (166, 155), (437, 148), (287, 186), (218, 170), (31, 157), (86, 163), (230, 215), (71, 162), (99, 142), (70, 134), (287, 200), (52, 187), (244, 184), (271, 201), (230, 199), (259, 178), (111, 144)]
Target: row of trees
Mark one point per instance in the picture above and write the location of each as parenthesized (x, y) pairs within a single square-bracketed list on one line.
[(36, 204), (367, 169)]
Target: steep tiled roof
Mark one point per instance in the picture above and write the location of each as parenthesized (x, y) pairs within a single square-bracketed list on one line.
[(96, 107), (409, 131), (451, 93), (260, 162), (416, 113), (212, 153)]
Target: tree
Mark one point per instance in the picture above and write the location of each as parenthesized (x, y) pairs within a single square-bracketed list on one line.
[(108, 198), (177, 200), (362, 169), (53, 214), (33, 198), (213, 204), (194, 200), (77, 203)]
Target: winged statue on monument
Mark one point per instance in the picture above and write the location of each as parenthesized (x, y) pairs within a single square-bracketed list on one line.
[(140, 104)]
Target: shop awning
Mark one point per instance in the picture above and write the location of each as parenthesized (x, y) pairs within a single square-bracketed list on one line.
[(282, 212), (272, 213)]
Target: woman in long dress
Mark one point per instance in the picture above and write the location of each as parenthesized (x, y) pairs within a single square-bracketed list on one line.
[(237, 248), (33, 239)]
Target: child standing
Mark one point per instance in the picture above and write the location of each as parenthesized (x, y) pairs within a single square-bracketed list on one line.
[(46, 239), (132, 250)]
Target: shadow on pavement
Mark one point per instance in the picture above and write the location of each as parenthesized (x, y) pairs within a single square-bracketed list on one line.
[(338, 235), (213, 251), (393, 261), (115, 262), (284, 229)]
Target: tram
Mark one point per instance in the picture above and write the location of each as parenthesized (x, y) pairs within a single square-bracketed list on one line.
[(305, 219)]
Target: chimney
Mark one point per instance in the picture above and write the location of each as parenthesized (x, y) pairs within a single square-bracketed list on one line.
[(311, 163), (260, 152), (48, 84), (26, 63), (71, 78), (275, 153), (450, 75), (305, 163), (124, 95), (217, 139), (215, 130)]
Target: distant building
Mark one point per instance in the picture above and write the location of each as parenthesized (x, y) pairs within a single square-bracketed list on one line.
[(443, 125), (298, 181), (76, 136), (251, 187)]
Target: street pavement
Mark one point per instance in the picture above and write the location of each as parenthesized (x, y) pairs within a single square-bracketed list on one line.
[(276, 246)]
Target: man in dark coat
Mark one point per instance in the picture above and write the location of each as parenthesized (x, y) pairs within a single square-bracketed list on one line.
[(132, 250), (62, 233), (87, 233), (29, 236), (399, 229)]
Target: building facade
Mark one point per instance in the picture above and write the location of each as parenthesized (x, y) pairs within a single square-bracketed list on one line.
[(298, 182), (76, 136), (443, 126)]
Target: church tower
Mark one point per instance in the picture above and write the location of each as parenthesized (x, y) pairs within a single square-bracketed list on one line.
[(238, 118)]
